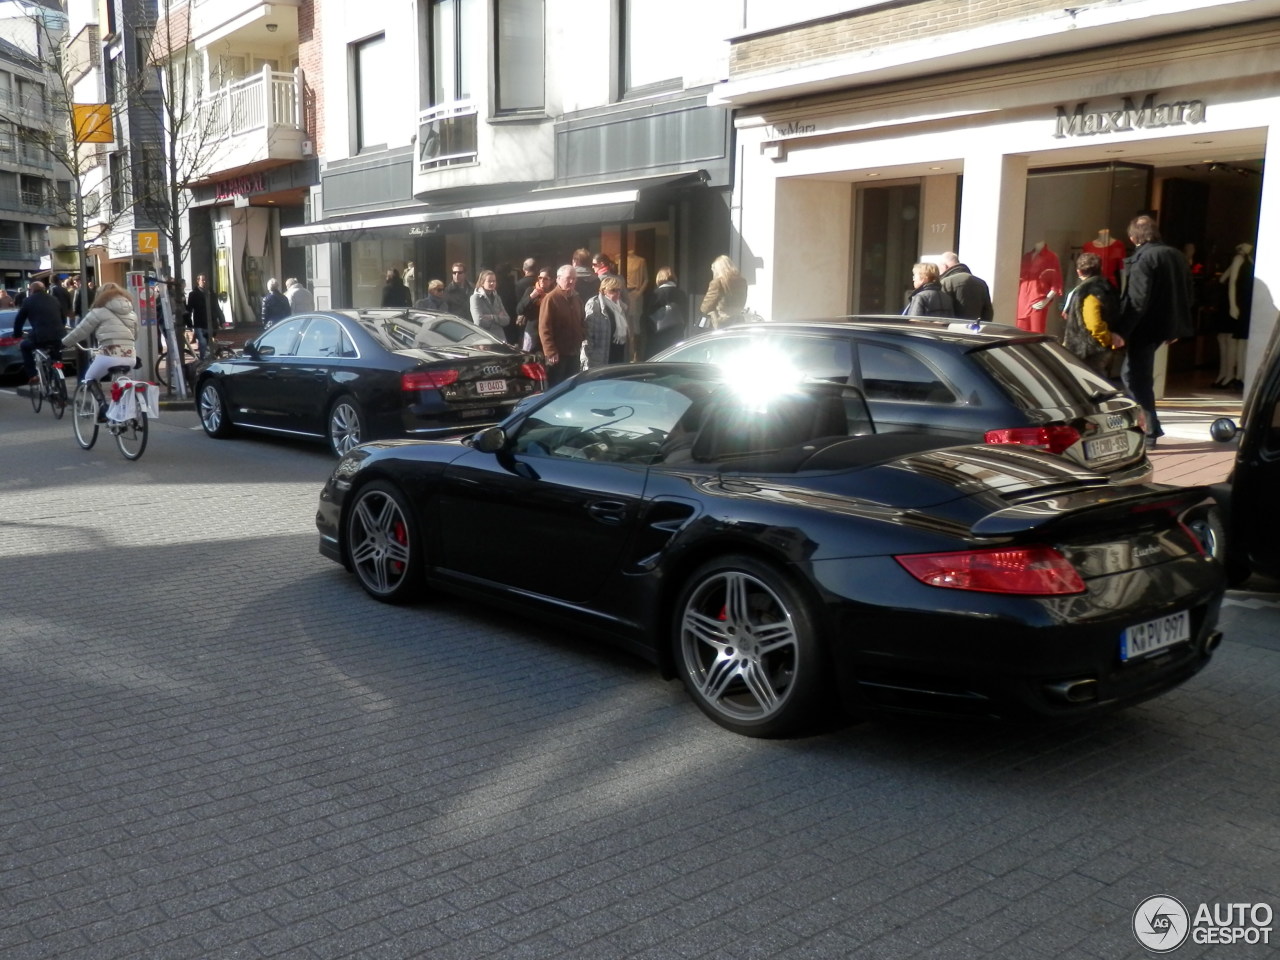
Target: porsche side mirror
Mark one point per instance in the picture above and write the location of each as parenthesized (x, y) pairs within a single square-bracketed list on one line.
[(251, 350), (489, 440), (1223, 429)]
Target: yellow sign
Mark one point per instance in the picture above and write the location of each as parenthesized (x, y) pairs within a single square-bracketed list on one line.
[(146, 242), (93, 123)]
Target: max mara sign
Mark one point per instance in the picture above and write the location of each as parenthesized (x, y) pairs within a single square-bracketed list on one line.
[(1148, 115)]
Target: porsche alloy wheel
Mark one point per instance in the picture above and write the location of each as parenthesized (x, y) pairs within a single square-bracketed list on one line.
[(747, 649), (382, 544)]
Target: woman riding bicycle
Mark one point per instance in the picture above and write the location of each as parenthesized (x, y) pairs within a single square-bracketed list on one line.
[(115, 324)]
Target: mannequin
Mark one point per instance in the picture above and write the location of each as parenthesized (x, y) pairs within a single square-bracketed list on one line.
[(1111, 252), (1040, 283), (1233, 337)]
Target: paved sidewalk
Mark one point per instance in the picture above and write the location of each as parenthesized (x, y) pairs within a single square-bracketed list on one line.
[(1186, 454)]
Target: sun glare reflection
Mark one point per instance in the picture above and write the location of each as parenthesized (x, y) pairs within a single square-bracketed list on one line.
[(759, 375)]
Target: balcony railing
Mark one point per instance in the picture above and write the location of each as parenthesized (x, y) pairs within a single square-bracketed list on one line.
[(25, 201), (15, 249), (269, 99), (447, 135), (11, 103)]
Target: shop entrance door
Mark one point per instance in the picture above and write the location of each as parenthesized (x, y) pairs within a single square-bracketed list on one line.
[(886, 244)]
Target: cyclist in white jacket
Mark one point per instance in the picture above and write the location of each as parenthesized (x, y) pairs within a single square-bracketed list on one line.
[(114, 322)]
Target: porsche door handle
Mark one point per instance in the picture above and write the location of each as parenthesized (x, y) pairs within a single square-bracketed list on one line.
[(612, 512)]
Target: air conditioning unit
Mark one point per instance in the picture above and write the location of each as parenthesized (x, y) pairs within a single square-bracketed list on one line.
[(308, 148)]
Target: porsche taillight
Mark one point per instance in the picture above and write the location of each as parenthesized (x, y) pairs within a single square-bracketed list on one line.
[(1030, 570), (1054, 439)]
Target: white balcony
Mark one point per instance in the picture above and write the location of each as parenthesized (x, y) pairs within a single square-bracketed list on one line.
[(447, 135), (254, 122)]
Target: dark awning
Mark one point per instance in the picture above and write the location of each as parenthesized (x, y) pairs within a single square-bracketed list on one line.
[(527, 210)]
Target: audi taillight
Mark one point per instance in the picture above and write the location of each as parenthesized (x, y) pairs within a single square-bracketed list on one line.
[(1032, 570), (533, 371), (1053, 439), (427, 379), (9, 341)]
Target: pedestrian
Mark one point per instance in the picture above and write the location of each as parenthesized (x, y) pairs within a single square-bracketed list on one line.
[(394, 292), (274, 305), (971, 296), (527, 311), (434, 300), (1155, 309), (726, 296), (586, 283), (609, 336), (561, 328), (60, 293), (6, 301), (528, 279), (1091, 308), (43, 313), (114, 322), (299, 297), (665, 319), (410, 278), (205, 312), (457, 295), (487, 309), (928, 299)]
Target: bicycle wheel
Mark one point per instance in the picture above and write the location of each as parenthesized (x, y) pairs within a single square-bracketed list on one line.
[(161, 370), (131, 436), (58, 397), (84, 415), (37, 391)]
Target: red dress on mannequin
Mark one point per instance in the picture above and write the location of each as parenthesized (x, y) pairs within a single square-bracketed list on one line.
[(1111, 254), (1040, 282)]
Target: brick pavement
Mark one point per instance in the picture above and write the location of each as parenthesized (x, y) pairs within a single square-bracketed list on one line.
[(212, 744)]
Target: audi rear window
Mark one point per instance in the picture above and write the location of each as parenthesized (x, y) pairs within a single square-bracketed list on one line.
[(1042, 375)]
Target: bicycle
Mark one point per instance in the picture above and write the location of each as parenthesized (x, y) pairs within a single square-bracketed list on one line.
[(51, 385), (218, 350), (130, 433)]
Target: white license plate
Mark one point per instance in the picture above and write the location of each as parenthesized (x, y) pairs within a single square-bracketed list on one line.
[(489, 387), (1104, 448), (1147, 638)]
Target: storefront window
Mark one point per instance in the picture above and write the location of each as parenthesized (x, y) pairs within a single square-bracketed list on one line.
[(370, 261)]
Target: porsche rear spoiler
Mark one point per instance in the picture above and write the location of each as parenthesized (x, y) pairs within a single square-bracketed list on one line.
[(1092, 506)]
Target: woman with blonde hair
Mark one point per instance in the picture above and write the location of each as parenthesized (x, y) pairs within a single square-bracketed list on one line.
[(610, 338), (488, 312), (726, 296), (115, 323)]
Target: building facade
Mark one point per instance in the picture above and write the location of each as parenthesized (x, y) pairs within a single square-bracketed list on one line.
[(489, 131), (31, 182), (1018, 133)]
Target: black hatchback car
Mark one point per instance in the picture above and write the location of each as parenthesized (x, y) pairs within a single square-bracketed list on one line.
[(353, 375), (996, 384)]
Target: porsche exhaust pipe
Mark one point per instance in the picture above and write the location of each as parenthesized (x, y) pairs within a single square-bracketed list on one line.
[(1074, 691)]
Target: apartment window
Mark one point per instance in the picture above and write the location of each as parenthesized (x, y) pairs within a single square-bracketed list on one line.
[(518, 69), (651, 47), (372, 93), (457, 56), (117, 179)]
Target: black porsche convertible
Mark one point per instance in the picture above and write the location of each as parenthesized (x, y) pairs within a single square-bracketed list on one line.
[(766, 545)]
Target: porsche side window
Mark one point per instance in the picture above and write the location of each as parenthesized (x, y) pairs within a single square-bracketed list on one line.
[(617, 421), (890, 374)]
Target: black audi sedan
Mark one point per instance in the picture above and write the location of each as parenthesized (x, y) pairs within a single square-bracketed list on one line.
[(995, 384), (766, 545), (351, 375)]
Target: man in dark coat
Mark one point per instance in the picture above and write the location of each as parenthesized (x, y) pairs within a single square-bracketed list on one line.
[(203, 308), (1155, 309), (457, 292), (972, 296), (60, 293), (44, 314)]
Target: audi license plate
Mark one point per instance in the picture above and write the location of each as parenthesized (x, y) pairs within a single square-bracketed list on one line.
[(1147, 638), (1106, 448), (487, 388)]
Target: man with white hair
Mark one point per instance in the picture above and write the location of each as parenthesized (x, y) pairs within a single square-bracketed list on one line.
[(299, 297), (972, 297)]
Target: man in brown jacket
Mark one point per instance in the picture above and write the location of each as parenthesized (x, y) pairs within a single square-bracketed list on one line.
[(561, 327)]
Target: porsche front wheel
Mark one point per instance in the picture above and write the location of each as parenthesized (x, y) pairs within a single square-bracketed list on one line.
[(382, 543), (747, 649)]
